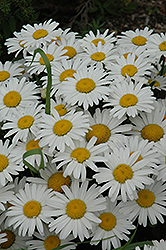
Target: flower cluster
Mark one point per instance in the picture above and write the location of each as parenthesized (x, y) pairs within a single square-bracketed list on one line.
[(103, 143)]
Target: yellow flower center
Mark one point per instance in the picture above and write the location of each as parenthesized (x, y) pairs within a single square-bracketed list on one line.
[(128, 100), (57, 180), (40, 33), (146, 198), (157, 84), (85, 85), (80, 154), (152, 132), (61, 109), (71, 52), (139, 40), (22, 44), (62, 127), (98, 56), (25, 122), (51, 242), (76, 209), (3, 162), (32, 209), (108, 221), (97, 40), (122, 173), (12, 99), (129, 70), (10, 239), (32, 144), (126, 54), (162, 46), (100, 131), (4, 75), (139, 157), (50, 58), (67, 73)]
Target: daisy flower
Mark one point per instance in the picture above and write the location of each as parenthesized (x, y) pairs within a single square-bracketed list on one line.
[(88, 86), (8, 166), (3, 237), (39, 34), (156, 45), (161, 148), (135, 38), (15, 95), (123, 173), (50, 177), (30, 209), (124, 51), (76, 159), (6, 194), (9, 70), (60, 131), (129, 98), (129, 67), (106, 128), (75, 210), (61, 106), (23, 122), (150, 204), (150, 126), (113, 225), (49, 241), (157, 82)]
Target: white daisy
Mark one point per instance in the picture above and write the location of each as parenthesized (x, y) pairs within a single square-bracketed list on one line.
[(157, 82), (39, 34), (150, 126), (30, 208), (61, 106), (129, 98), (8, 166), (59, 131), (106, 128), (49, 241), (88, 86), (6, 195), (113, 225), (66, 34), (16, 94), (23, 122), (161, 148), (123, 173), (75, 210), (135, 38), (9, 70), (124, 51), (76, 159), (150, 204)]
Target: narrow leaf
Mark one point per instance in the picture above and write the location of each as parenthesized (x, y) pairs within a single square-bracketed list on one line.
[(33, 152)]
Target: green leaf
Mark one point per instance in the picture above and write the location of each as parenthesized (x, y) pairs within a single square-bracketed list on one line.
[(49, 82), (33, 152)]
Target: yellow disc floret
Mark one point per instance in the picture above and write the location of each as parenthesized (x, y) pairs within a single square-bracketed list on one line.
[(98, 56), (97, 40), (32, 209), (76, 209), (80, 154), (57, 180), (10, 239), (152, 132), (22, 44), (61, 109), (139, 157), (129, 70), (51, 242), (128, 100), (71, 52), (108, 221), (4, 75), (100, 131), (85, 85), (122, 173), (50, 58), (146, 198), (67, 73), (62, 127), (139, 40), (25, 121), (126, 54), (12, 99), (162, 46), (3, 162), (40, 33), (32, 144)]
